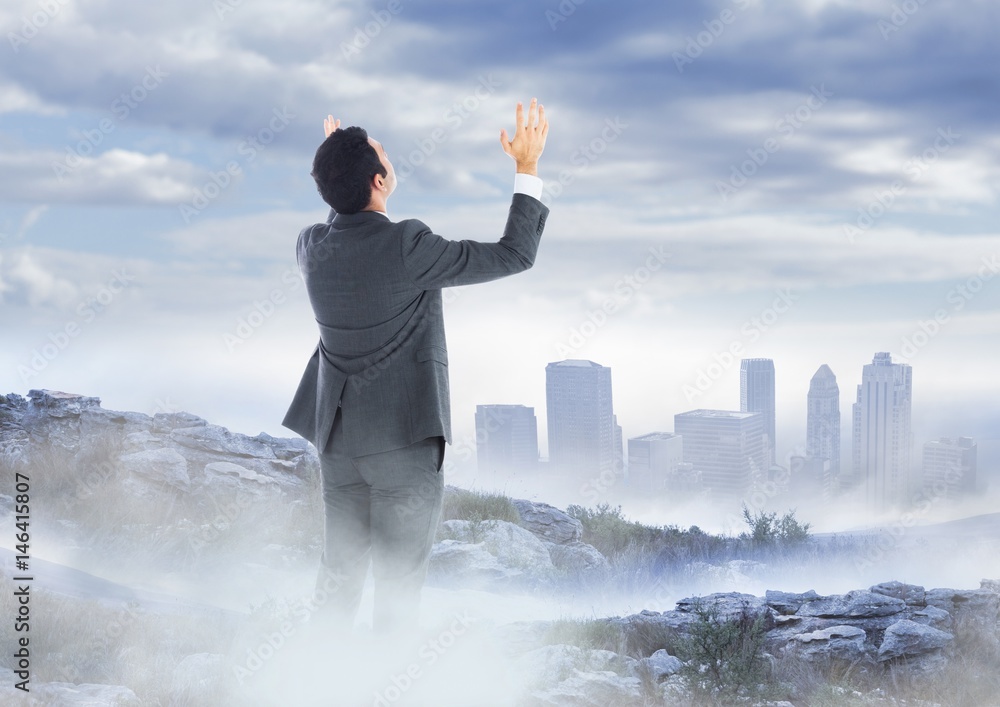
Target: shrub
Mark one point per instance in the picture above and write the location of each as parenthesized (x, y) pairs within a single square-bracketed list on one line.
[(462, 504)]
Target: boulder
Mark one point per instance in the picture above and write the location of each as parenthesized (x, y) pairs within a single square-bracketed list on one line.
[(912, 594), (857, 604), (513, 546), (836, 642), (576, 557), (165, 465), (548, 522), (217, 439), (908, 639), (236, 476), (789, 602), (658, 666)]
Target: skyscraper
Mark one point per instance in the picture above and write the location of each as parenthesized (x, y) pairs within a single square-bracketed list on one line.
[(652, 459), (757, 395), (823, 425), (506, 438), (580, 417), (950, 467), (882, 433), (727, 447)]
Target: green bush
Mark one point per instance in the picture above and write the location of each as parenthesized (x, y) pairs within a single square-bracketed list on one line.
[(477, 506)]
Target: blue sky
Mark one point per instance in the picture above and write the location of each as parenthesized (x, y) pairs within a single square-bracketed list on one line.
[(842, 155)]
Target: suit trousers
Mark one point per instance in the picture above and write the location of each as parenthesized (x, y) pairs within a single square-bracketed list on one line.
[(380, 509)]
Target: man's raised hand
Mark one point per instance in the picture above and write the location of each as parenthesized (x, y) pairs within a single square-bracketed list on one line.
[(529, 138), (330, 126)]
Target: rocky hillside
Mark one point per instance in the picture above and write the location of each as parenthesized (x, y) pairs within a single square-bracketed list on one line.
[(99, 476)]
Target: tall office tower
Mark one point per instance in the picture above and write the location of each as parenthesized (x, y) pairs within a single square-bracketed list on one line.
[(757, 395), (728, 448), (653, 459), (506, 438), (882, 433), (823, 426), (580, 418), (950, 467)]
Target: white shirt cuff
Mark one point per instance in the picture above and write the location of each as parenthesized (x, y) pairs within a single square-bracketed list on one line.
[(528, 184)]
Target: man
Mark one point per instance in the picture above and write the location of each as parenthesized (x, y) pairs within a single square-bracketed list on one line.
[(374, 398)]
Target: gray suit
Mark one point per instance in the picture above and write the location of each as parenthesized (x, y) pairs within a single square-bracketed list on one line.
[(374, 398)]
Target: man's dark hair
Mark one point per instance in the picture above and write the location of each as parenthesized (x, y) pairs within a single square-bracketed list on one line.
[(343, 169)]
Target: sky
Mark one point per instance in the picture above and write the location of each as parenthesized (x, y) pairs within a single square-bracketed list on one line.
[(810, 181)]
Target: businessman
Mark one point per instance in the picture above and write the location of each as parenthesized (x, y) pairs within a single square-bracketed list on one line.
[(374, 398)]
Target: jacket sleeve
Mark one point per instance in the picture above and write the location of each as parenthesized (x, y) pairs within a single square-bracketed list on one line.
[(433, 262)]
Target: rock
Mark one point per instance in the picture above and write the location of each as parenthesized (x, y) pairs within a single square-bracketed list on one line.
[(982, 604), (789, 602), (64, 694), (217, 439), (658, 666), (908, 639), (55, 403), (548, 522), (166, 422), (469, 565), (728, 605), (857, 604), (576, 557), (590, 689), (235, 475), (511, 544), (933, 617), (164, 465), (835, 642), (558, 662), (990, 585), (286, 448), (912, 594), (140, 442)]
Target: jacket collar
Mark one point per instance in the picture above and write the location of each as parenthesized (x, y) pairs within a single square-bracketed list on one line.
[(361, 217)]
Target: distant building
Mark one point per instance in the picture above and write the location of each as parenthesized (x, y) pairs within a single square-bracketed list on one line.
[(757, 395), (728, 448), (506, 438), (882, 437), (652, 459), (580, 417), (823, 428), (950, 467), (619, 447)]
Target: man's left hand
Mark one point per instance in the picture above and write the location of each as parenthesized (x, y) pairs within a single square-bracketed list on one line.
[(330, 126)]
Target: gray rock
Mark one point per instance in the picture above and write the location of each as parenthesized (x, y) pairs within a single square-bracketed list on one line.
[(164, 465), (857, 604), (658, 666), (590, 689), (217, 439), (728, 605), (933, 617), (513, 546), (141, 442), (576, 557), (555, 663), (982, 604), (236, 474), (286, 448), (548, 522), (165, 422), (789, 602), (454, 562), (912, 594), (836, 642), (908, 639), (55, 403)]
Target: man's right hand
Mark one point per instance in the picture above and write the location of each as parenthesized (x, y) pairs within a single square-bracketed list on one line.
[(529, 138)]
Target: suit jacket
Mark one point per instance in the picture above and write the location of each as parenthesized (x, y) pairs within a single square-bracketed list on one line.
[(375, 288)]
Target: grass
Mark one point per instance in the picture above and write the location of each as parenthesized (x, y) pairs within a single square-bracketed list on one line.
[(463, 504)]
